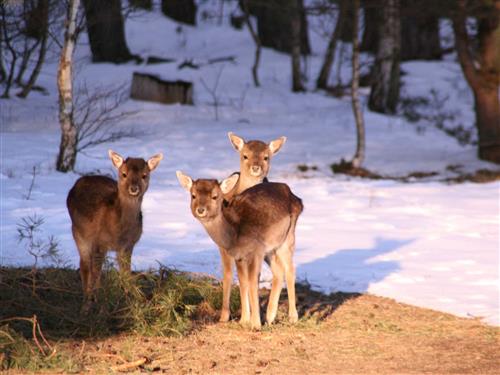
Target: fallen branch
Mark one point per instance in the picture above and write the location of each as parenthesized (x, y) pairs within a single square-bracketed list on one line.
[(129, 365)]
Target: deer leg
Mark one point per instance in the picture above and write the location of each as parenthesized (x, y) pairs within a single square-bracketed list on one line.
[(95, 270), (242, 266), (85, 251), (227, 280), (285, 253), (124, 257), (253, 278), (278, 273)]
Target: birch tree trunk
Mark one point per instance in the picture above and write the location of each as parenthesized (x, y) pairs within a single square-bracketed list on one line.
[(69, 135), (359, 156), (482, 72), (384, 93)]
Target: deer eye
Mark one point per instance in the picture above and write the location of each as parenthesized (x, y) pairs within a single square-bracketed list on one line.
[(245, 157), (214, 197), (124, 175), (266, 158), (144, 176), (193, 196)]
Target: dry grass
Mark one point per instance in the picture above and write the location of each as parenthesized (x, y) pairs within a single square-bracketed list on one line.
[(341, 333)]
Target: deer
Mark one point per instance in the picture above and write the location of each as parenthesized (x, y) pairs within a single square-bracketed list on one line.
[(255, 163), (255, 225), (106, 215)]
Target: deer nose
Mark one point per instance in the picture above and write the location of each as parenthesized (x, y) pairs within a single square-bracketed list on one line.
[(201, 211), (133, 190), (256, 169)]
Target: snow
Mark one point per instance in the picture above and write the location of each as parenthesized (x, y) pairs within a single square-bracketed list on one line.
[(426, 243)]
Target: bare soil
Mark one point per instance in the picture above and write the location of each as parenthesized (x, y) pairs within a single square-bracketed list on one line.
[(359, 334)]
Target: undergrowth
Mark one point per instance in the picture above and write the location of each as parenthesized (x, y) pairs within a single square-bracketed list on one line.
[(42, 307)]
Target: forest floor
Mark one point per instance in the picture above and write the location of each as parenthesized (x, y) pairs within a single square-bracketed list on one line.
[(337, 333)]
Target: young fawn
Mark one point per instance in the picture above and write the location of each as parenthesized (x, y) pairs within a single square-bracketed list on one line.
[(106, 215), (258, 223), (255, 162)]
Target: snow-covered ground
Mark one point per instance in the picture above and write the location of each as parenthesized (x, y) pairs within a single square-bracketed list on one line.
[(426, 243)]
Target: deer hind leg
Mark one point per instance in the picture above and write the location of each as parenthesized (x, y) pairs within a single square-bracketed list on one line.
[(278, 273), (227, 280), (253, 278), (242, 267), (285, 255), (85, 251)]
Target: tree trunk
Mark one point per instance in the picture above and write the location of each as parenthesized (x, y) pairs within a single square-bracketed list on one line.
[(322, 81), (295, 23), (106, 31), (274, 24), (384, 93), (371, 16), (347, 25), (180, 10), (69, 135), (258, 45), (143, 4), (482, 72), (419, 32), (3, 73), (359, 156)]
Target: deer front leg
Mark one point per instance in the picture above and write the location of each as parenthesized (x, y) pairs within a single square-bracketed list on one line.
[(124, 257), (242, 266), (227, 280)]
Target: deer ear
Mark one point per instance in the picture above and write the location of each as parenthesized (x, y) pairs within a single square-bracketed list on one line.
[(154, 161), (185, 181), (275, 146), (229, 183), (237, 142), (116, 159)]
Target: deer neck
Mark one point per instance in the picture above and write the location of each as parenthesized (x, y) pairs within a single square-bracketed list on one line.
[(222, 232), (129, 209)]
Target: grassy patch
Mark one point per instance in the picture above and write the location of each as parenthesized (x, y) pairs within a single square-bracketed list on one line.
[(42, 306)]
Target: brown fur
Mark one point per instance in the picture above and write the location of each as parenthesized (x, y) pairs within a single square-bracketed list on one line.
[(258, 223), (253, 155), (106, 215)]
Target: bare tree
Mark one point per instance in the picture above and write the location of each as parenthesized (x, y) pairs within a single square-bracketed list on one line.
[(43, 33), (359, 156), (256, 39), (481, 68), (322, 81), (67, 149), (213, 93), (384, 93), (96, 114)]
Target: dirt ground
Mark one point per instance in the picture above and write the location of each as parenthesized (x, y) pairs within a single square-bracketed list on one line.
[(358, 334)]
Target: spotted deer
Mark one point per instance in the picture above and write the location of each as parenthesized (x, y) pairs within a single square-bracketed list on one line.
[(256, 224), (255, 162), (106, 215)]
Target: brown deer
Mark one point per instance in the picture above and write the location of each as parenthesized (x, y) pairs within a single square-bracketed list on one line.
[(106, 215), (255, 162), (258, 223)]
